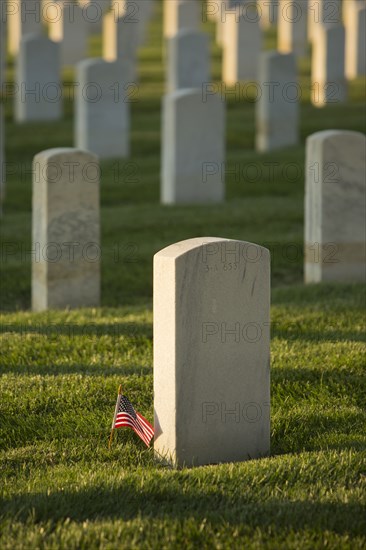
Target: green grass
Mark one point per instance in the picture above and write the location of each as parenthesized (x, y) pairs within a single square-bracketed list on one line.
[(60, 486)]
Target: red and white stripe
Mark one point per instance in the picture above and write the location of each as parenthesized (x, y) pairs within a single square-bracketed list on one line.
[(143, 428)]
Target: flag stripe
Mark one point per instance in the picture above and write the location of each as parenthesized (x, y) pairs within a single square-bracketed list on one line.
[(126, 416), (146, 427), (128, 424), (124, 419), (146, 422)]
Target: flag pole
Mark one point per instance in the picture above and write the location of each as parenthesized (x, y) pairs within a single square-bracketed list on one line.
[(115, 414)]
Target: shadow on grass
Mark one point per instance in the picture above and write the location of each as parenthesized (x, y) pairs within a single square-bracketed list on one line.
[(321, 336), (316, 431), (53, 330), (328, 295), (85, 370), (128, 501)]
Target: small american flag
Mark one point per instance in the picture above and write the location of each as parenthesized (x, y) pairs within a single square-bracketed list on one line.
[(125, 415)]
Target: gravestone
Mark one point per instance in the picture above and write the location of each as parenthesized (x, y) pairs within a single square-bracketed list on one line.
[(211, 351), (188, 60), (136, 13), (267, 10), (223, 7), (180, 15), (292, 21), (93, 11), (231, 10), (328, 67), (38, 77), (335, 197), (71, 30), (213, 10), (145, 13), (2, 160), (355, 25), (65, 232), (193, 148), (51, 10), (242, 46), (23, 17), (119, 8), (323, 14), (277, 110), (120, 42), (102, 115)]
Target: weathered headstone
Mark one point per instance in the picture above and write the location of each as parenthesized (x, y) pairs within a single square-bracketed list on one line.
[(102, 115), (335, 215), (38, 79), (180, 15), (277, 110), (23, 17), (71, 30), (292, 21), (188, 60), (120, 41), (193, 148), (66, 232), (242, 46), (323, 14), (211, 351), (328, 67), (355, 24)]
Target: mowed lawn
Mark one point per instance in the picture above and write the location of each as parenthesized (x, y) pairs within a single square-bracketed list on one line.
[(60, 485)]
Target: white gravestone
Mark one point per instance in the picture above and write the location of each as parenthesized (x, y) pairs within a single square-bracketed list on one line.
[(241, 48), (145, 13), (102, 116), (23, 17), (211, 351), (213, 10), (179, 15), (292, 22), (120, 41), (188, 60), (267, 10), (135, 12), (66, 230), (328, 67), (193, 148), (71, 30), (93, 12), (335, 214), (38, 77), (51, 10), (355, 24), (323, 14), (232, 9), (2, 52), (277, 110)]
